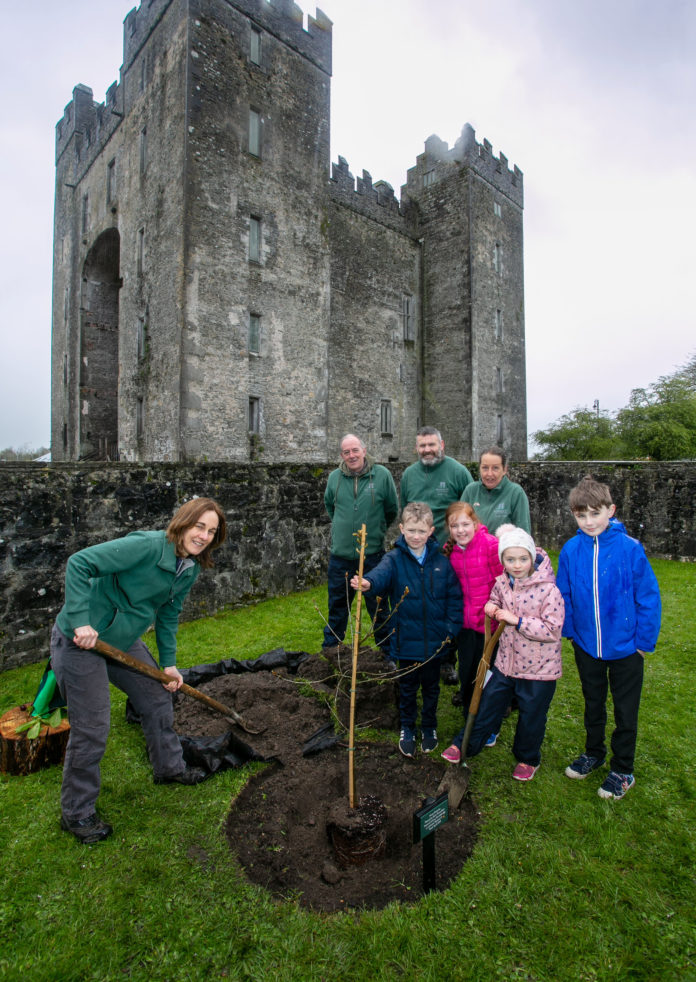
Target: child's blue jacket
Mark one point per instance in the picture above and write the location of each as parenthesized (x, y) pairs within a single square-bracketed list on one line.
[(612, 600), (432, 609)]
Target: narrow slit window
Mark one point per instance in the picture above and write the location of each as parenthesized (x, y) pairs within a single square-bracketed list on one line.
[(254, 334), (408, 318), (385, 414), (499, 325), (255, 47), (254, 414), (254, 133), (254, 239)]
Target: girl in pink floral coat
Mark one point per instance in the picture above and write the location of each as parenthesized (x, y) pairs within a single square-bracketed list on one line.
[(473, 553), (526, 598)]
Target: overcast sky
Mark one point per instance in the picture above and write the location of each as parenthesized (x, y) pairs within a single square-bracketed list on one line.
[(594, 100)]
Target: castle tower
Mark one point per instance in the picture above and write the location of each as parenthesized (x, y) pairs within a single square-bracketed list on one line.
[(469, 207), (190, 268)]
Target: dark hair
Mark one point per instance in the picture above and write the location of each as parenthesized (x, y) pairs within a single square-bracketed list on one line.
[(429, 431), (186, 517), (452, 511), (494, 452), (589, 494)]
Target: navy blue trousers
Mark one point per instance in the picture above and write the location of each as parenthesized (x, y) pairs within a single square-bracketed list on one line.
[(341, 597), (426, 677), (624, 677), (534, 698)]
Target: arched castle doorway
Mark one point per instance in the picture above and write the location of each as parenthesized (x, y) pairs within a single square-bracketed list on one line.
[(98, 410)]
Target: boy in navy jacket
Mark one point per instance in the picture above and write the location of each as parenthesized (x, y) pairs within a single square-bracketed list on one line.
[(426, 603), (612, 617)]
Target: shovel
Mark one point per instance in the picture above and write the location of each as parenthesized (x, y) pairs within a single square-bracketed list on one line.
[(456, 780), (116, 654)]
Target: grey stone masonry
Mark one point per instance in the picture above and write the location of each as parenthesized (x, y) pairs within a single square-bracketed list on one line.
[(222, 293), (278, 538)]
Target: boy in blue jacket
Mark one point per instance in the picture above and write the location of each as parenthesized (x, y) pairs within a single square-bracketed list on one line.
[(426, 603), (612, 617)]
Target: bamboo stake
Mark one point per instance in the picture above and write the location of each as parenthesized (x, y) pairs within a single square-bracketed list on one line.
[(361, 535)]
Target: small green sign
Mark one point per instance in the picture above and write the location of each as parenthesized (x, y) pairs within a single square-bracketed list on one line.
[(433, 814)]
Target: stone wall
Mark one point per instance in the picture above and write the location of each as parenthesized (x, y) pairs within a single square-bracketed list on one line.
[(278, 530)]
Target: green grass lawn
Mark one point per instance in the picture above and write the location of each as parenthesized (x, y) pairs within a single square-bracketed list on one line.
[(561, 886)]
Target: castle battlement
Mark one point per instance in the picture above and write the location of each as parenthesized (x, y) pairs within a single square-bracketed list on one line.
[(284, 19), (374, 200), (137, 26), (87, 125), (438, 160)]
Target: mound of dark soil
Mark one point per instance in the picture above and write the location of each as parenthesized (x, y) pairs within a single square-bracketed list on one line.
[(277, 826)]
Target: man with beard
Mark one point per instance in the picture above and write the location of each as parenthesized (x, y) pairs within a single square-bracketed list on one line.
[(434, 478), (437, 480)]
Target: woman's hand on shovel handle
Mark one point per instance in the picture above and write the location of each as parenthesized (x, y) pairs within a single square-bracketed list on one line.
[(85, 636), (176, 679)]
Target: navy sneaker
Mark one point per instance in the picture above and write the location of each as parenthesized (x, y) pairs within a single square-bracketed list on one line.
[(407, 741), (616, 785), (428, 740), (582, 766)]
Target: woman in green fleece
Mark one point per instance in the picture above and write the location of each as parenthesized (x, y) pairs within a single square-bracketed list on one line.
[(494, 497), (115, 591)]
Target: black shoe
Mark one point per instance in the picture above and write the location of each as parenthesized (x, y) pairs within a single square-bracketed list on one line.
[(390, 665), (87, 830), (190, 775), (457, 699), (448, 675)]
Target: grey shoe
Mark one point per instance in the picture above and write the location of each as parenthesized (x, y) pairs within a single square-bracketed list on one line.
[(87, 830)]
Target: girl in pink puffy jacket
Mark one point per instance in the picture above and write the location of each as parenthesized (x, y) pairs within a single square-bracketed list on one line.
[(473, 553), (526, 598)]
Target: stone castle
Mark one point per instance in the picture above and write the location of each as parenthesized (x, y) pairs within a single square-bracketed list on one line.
[(221, 294)]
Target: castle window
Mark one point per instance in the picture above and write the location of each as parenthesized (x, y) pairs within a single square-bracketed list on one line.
[(65, 369), (497, 210), (140, 252), (65, 436), (66, 304), (254, 414), (141, 338), (499, 429), (385, 417), (139, 418), (254, 334), (143, 75), (254, 133), (110, 180), (498, 258), (143, 149), (254, 239), (428, 178), (255, 47), (499, 325), (85, 212), (408, 318), (499, 381)]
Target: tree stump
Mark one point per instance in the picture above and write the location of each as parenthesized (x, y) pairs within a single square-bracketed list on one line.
[(19, 755)]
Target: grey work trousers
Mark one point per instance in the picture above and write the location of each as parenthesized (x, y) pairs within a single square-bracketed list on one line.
[(83, 677)]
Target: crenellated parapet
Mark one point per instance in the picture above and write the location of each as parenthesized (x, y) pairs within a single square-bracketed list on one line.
[(374, 200), (138, 25), (285, 20), (438, 162), (86, 125)]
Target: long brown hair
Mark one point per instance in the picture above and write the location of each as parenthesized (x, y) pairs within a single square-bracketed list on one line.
[(186, 517), (456, 508)]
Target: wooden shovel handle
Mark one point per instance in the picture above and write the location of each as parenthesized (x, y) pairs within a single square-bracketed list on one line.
[(155, 673), (491, 641)]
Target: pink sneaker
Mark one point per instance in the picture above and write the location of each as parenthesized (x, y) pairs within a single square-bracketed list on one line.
[(453, 754), (523, 772)]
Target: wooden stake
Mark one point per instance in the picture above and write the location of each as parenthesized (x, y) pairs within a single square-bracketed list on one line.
[(354, 678)]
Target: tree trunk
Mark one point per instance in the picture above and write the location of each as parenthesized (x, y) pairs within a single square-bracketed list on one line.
[(19, 755)]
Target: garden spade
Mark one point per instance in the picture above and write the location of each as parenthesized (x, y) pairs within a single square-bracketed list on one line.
[(232, 716), (456, 780)]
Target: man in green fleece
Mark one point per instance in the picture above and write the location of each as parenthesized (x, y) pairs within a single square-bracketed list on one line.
[(358, 492), (438, 481), (434, 478)]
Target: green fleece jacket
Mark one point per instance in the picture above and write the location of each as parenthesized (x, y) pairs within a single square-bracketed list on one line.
[(438, 486), (369, 498), (505, 503), (124, 586)]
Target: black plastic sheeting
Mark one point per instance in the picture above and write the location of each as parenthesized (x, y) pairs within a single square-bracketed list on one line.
[(216, 754)]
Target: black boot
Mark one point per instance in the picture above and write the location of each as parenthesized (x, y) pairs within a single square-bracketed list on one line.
[(190, 775), (87, 830)]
